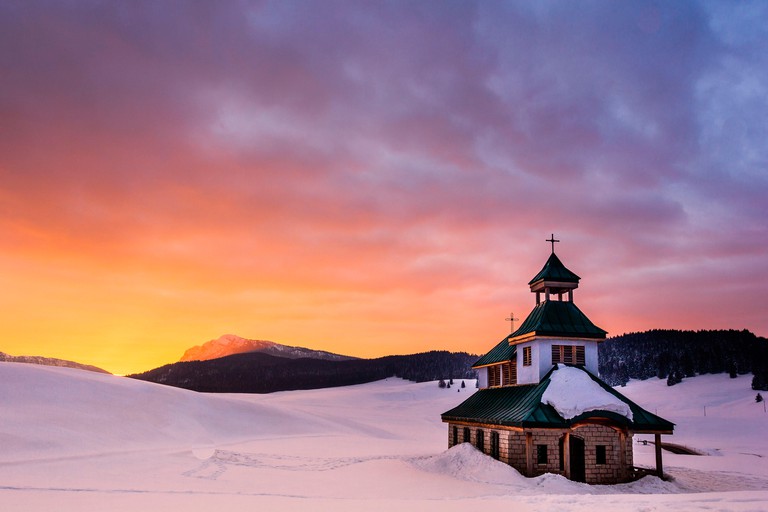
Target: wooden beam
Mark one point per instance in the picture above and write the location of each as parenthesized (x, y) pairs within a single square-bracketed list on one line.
[(476, 424), (523, 338), (623, 455), (529, 454), (659, 466), (567, 455)]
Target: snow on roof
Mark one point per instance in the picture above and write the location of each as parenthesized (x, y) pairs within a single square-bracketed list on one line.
[(572, 392)]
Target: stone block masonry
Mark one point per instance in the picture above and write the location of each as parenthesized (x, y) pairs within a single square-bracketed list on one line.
[(617, 450), (607, 451)]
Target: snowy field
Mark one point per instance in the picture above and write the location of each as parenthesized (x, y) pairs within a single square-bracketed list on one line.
[(74, 440)]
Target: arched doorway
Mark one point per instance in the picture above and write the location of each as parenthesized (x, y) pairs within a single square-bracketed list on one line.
[(578, 473)]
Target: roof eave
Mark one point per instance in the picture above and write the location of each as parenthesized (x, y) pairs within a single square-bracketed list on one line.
[(483, 421), (542, 283), (486, 365), (653, 431), (555, 424), (530, 336)]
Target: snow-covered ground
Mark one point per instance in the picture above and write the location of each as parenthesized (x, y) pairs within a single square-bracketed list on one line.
[(74, 440)]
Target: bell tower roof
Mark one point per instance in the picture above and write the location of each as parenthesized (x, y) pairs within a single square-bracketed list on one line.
[(556, 319), (554, 275)]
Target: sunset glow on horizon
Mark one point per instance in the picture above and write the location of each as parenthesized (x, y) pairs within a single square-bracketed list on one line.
[(374, 178)]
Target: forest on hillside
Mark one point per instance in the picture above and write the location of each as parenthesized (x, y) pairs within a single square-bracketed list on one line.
[(665, 354), (257, 372), (674, 355)]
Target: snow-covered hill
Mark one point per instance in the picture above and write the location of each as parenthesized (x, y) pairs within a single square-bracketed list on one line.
[(73, 440), (49, 361), (230, 344)]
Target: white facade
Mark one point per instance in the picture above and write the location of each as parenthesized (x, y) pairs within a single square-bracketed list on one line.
[(541, 358), (482, 377)]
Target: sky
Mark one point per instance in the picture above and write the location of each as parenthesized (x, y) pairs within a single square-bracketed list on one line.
[(374, 178)]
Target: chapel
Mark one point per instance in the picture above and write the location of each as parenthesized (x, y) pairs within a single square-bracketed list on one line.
[(541, 407)]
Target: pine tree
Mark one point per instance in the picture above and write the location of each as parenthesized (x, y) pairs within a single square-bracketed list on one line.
[(441, 384), (760, 382), (623, 374), (463, 385), (662, 366), (675, 377), (759, 398)]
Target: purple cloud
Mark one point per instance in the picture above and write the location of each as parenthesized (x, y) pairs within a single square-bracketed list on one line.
[(399, 145)]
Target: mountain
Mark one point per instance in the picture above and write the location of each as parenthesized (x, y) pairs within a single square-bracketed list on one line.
[(258, 372), (230, 344), (49, 361), (673, 354)]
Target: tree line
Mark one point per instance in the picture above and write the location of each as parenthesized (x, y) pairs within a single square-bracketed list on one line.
[(674, 355), (257, 372)]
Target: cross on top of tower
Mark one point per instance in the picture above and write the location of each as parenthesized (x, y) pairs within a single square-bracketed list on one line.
[(552, 240)]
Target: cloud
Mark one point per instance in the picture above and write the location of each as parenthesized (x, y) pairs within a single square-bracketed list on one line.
[(404, 149)]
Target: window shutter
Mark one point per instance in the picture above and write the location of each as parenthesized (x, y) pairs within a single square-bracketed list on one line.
[(580, 359)]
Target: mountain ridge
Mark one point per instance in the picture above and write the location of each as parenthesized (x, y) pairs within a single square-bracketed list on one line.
[(259, 372), (230, 344), (51, 361)]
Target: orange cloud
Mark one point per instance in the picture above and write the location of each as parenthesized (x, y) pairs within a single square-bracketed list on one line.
[(344, 182)]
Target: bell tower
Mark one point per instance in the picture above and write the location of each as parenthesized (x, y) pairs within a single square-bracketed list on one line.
[(554, 279), (556, 331)]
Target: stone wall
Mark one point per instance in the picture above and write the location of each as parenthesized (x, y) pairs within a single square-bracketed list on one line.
[(516, 451), (512, 450), (618, 461), (550, 439)]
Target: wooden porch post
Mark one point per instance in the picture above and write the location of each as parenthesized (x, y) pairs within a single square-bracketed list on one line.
[(623, 471), (659, 467), (529, 453), (567, 455)]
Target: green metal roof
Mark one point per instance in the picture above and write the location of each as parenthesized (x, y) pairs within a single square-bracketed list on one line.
[(513, 406), (520, 406), (554, 270), (642, 420), (560, 319), (498, 354)]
